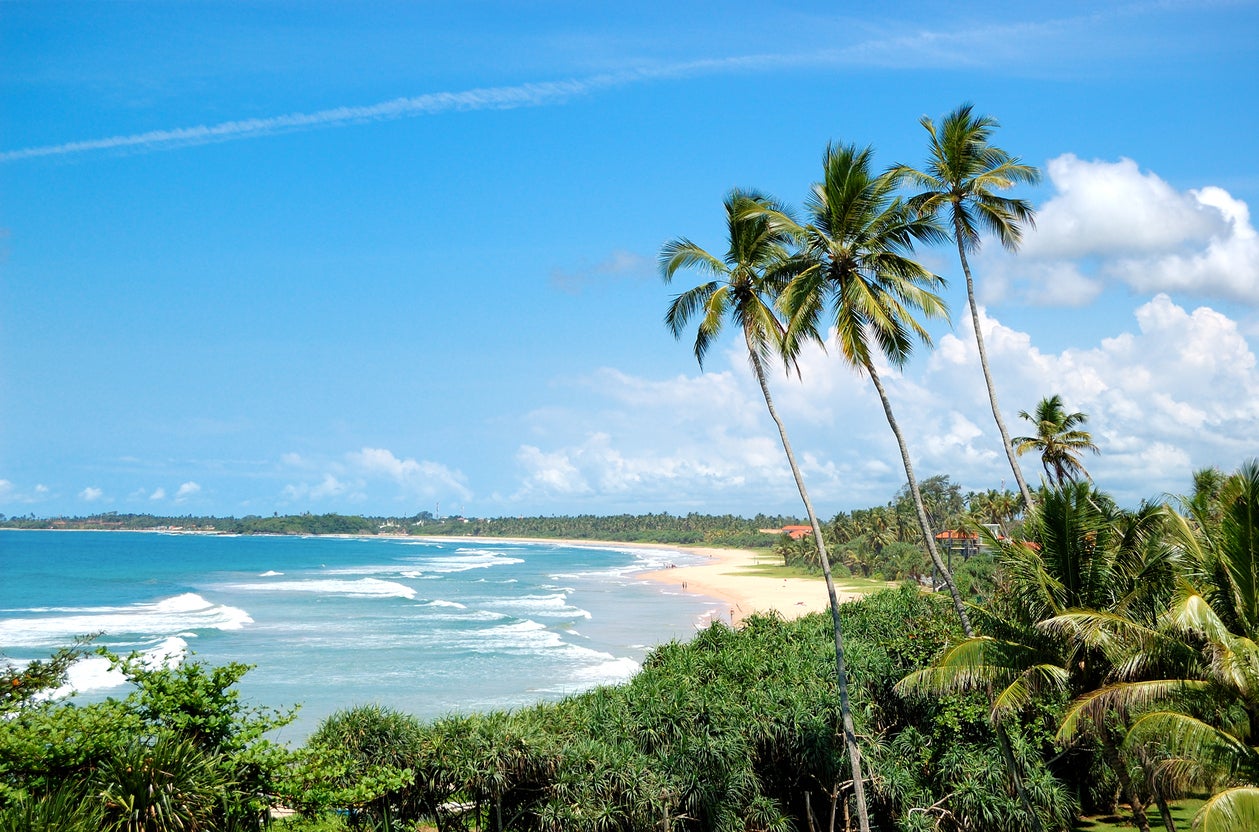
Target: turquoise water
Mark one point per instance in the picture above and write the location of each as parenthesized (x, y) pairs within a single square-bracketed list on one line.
[(429, 627)]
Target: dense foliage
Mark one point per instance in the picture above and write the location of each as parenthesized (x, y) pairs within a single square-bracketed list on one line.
[(179, 752)]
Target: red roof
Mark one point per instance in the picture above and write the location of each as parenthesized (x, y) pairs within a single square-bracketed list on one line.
[(955, 534)]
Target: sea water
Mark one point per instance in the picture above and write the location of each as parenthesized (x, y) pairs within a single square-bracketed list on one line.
[(429, 627)]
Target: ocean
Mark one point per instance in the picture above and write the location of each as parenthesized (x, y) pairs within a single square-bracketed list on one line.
[(429, 627)]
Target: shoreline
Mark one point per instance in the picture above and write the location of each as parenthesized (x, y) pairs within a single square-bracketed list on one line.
[(725, 576)]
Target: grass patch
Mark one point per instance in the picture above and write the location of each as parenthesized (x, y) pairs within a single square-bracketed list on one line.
[(1182, 813), (772, 567)]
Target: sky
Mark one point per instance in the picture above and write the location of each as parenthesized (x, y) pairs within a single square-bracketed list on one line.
[(384, 258)]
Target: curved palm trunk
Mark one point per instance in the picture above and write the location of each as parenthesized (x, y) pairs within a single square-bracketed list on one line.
[(923, 523), (1003, 741), (841, 674), (983, 362)]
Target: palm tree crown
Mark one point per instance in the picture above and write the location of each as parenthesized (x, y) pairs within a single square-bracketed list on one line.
[(858, 243), (745, 284), (1059, 439), (963, 174)]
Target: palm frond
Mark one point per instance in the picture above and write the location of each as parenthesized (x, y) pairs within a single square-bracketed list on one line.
[(1123, 697), (1232, 810)]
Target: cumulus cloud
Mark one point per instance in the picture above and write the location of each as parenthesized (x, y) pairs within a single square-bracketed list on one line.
[(1113, 222), (619, 265), (417, 477), (159, 493), (91, 494), (186, 491), (1179, 391), (374, 474), (692, 441), (1170, 389)]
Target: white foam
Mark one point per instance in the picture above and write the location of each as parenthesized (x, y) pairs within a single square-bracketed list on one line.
[(610, 672), (362, 588), (440, 603), (465, 559), (555, 605), (94, 673), (181, 613), (270, 573)]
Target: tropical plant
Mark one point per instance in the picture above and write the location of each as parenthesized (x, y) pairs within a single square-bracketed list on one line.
[(745, 287), (64, 809), (857, 244), (161, 785), (1081, 553), (1059, 439), (960, 179), (360, 760), (1202, 714)]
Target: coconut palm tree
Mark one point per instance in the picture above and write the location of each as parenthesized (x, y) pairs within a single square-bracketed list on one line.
[(744, 287), (1082, 557), (960, 180), (1202, 714), (1059, 440), (857, 246)]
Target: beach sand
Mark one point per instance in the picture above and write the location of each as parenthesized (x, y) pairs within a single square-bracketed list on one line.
[(732, 576)]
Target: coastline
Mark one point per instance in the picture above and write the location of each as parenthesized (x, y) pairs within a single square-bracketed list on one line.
[(730, 576), (727, 575)]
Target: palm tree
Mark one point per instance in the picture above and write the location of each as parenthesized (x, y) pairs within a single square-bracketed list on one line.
[(961, 177), (1059, 439), (1204, 711), (857, 246), (745, 286), (1083, 558)]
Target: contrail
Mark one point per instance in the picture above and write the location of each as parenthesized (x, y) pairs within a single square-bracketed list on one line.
[(488, 98)]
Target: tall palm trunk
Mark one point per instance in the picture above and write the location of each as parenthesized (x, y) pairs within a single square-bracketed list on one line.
[(923, 523), (1002, 740), (841, 673), (983, 362)]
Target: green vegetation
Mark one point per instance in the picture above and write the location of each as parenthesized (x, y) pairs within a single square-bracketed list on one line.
[(180, 752)]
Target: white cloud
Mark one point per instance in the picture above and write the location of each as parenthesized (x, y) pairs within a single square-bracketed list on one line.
[(1110, 221), (1179, 392), (159, 493), (186, 491), (1175, 389), (418, 477), (328, 487), (374, 474), (12, 494), (619, 265), (91, 494)]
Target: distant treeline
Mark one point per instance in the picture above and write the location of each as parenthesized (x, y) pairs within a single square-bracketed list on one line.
[(287, 524), (724, 530)]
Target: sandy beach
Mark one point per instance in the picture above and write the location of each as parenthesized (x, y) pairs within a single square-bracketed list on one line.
[(731, 575)]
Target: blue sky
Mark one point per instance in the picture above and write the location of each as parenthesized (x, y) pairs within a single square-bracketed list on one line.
[(386, 257)]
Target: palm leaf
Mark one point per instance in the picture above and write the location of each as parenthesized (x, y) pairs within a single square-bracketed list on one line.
[(1232, 810)]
